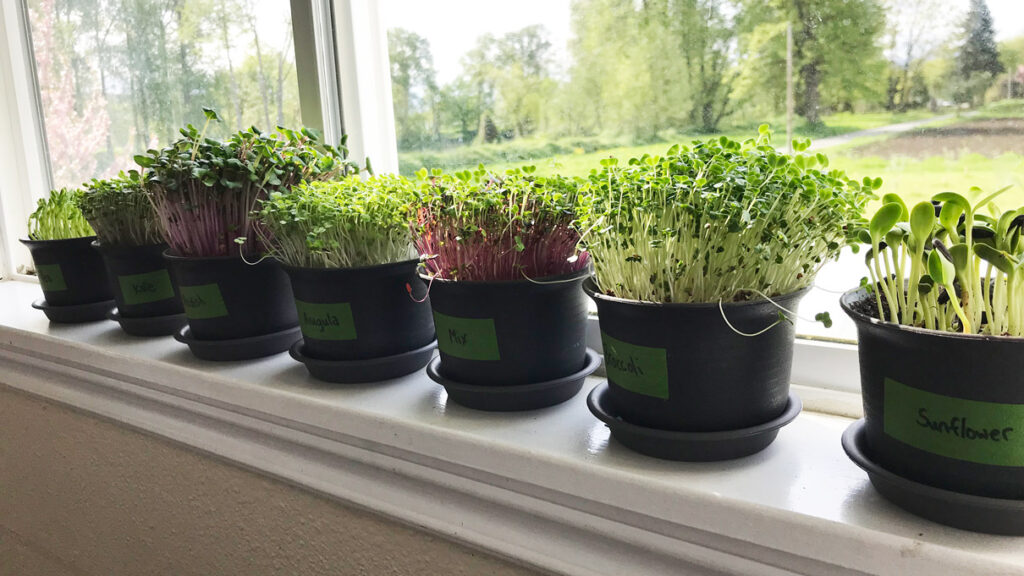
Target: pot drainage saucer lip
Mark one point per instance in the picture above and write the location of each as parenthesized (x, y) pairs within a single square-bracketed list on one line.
[(148, 325), (689, 446), (367, 370), (239, 348), (516, 397), (75, 313), (966, 511)]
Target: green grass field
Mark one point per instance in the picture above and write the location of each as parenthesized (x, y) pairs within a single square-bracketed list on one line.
[(577, 156), (913, 178), (917, 180)]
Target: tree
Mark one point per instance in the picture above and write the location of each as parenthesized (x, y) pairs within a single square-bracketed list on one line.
[(629, 74), (977, 60), (413, 88), (521, 71), (707, 36), (836, 51), (915, 30), (76, 129)]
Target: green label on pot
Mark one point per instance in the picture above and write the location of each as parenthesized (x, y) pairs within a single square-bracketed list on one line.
[(969, 430), (51, 278), (145, 288), (203, 302), (638, 369), (467, 338), (326, 321)]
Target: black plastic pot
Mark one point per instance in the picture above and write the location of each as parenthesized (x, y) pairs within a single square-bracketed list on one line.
[(227, 299), (70, 272), (941, 409), (681, 367), (361, 313), (510, 333), (141, 280)]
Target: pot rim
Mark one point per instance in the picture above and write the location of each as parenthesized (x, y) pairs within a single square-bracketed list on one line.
[(859, 318), (398, 264), (98, 245), (543, 280), (590, 287), (31, 242), (169, 255)]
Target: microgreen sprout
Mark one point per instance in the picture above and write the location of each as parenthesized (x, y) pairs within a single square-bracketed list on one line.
[(947, 264), (120, 210), (57, 217), (205, 191), (718, 221), (339, 224), (479, 226)]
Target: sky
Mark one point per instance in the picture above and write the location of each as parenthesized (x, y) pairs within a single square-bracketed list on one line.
[(452, 26)]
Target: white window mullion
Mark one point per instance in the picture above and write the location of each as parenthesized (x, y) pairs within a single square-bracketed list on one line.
[(365, 77), (24, 164)]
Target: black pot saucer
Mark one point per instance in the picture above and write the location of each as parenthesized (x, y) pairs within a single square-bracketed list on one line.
[(689, 446), (148, 326), (368, 370), (239, 348), (965, 511), (518, 397), (76, 313)]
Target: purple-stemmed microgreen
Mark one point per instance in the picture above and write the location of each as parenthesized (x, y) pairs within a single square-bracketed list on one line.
[(205, 191), (479, 226)]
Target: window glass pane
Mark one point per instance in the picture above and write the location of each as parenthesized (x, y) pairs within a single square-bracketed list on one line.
[(117, 77), (927, 94)]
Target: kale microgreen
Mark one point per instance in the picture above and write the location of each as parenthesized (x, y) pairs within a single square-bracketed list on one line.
[(120, 210), (718, 221)]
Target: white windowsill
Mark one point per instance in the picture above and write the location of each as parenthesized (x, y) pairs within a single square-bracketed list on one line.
[(547, 488)]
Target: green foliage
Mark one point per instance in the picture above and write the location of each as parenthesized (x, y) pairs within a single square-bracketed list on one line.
[(205, 190), (339, 224), (514, 151), (837, 57), (719, 220), (57, 217), (479, 226), (120, 210), (977, 60), (949, 265)]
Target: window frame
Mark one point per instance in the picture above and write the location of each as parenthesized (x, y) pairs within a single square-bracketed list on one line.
[(339, 93)]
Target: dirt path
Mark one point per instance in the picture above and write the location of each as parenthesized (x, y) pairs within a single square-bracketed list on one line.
[(891, 129), (989, 137)]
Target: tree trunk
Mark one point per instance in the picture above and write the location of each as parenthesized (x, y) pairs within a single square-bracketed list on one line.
[(811, 74), (235, 99), (261, 73), (186, 72)]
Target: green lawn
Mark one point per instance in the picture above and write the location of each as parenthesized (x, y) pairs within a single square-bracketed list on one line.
[(577, 156), (914, 179), (917, 180)]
